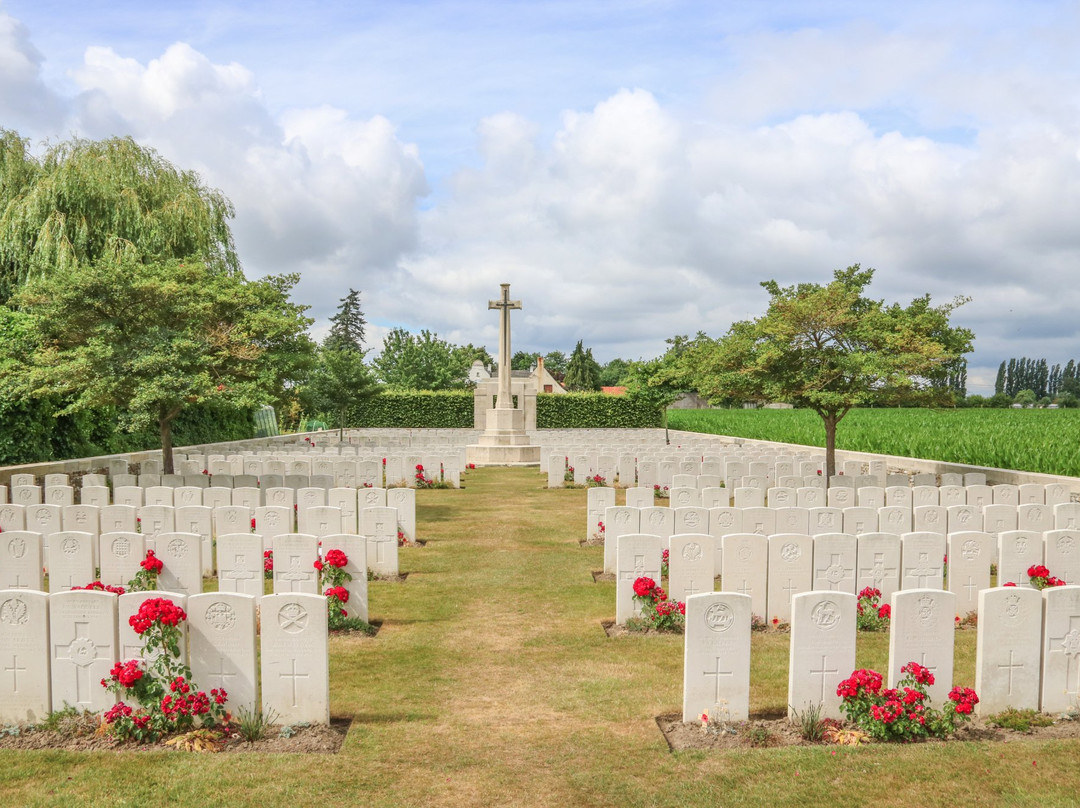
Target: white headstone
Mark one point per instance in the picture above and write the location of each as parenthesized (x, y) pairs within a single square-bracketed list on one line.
[(22, 557), (793, 520), (1061, 554), (821, 652), (295, 658), (371, 498), (24, 657), (637, 556), (379, 527), (691, 520), (403, 500), (860, 520), (639, 498), (181, 556), (716, 657), (70, 560), (597, 501), (618, 521), (879, 564), (1007, 649), (121, 555), (791, 568), (355, 549), (922, 558), (826, 520), (295, 555), (221, 639), (835, 562), (970, 555), (344, 499), (1018, 550), (746, 569), (690, 565), (273, 520), (118, 518), (922, 630), (658, 521), (240, 563), (1060, 649), (83, 645)]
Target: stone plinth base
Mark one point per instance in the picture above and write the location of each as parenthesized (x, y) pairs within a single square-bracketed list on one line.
[(504, 441), (482, 455)]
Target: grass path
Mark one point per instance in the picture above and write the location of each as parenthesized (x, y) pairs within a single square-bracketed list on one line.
[(491, 682)]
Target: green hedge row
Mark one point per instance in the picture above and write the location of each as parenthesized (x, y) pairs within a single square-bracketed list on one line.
[(420, 409), (594, 411), (31, 432)]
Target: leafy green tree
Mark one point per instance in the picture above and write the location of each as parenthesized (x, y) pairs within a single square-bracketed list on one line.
[(582, 371), (84, 200), (651, 381), (555, 362), (614, 373), (339, 380), (1026, 398), (154, 337), (830, 348), (522, 361), (425, 362), (347, 326)]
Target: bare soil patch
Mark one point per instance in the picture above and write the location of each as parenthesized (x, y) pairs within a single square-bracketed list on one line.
[(84, 733), (772, 731), (601, 577)]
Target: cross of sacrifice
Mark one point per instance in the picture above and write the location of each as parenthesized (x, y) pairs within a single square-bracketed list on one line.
[(504, 304)]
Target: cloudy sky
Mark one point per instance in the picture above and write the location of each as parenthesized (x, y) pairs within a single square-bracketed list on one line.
[(634, 169)]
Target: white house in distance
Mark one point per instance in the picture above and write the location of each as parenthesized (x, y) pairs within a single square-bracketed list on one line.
[(524, 386)]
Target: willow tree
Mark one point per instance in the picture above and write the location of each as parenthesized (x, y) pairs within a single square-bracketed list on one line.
[(83, 199), (154, 337), (830, 349)]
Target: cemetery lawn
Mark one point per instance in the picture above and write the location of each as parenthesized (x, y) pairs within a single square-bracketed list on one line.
[(492, 682), (1027, 440)]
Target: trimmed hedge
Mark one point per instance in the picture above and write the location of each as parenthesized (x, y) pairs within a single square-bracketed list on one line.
[(594, 411), (414, 409), (31, 432)]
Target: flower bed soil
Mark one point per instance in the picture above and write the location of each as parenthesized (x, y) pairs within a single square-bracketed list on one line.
[(83, 734), (772, 731)]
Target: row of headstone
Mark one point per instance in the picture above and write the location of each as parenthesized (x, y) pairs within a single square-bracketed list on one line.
[(999, 520), (344, 514), (811, 492), (57, 648), (70, 562), (1027, 655), (771, 570)]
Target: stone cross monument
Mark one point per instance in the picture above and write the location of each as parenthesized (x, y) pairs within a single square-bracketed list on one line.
[(504, 441), (504, 304)]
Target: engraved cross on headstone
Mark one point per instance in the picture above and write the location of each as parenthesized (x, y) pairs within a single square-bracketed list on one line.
[(1013, 665), (822, 673), (716, 674), (504, 304), (292, 677), (14, 670)]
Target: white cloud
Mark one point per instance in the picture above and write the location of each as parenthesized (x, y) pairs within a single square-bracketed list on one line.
[(25, 101), (315, 190)]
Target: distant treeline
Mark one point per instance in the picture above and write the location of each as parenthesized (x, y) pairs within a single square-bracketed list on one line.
[(1036, 375)]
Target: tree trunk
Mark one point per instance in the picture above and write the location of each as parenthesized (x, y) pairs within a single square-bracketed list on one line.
[(830, 420), (341, 425), (667, 436), (165, 419)]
